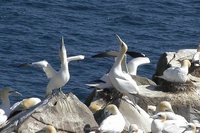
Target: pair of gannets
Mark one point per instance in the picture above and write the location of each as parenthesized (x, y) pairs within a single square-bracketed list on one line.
[(57, 79), (196, 57), (162, 124), (5, 108), (131, 67), (166, 120), (165, 106), (122, 81), (177, 74)]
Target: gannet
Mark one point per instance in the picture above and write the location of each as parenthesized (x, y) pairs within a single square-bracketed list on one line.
[(57, 79), (24, 105), (5, 106), (196, 57), (177, 74), (122, 81), (115, 122), (48, 129), (133, 128), (165, 107), (160, 124)]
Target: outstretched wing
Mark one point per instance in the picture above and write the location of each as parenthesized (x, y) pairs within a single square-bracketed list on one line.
[(49, 71)]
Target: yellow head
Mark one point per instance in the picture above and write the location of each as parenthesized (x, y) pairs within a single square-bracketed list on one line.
[(6, 91), (48, 129), (186, 63), (111, 109), (95, 106), (190, 127), (161, 116), (133, 128), (122, 44), (30, 102), (164, 106)]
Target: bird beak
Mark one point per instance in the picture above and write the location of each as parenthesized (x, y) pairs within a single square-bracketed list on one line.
[(62, 43), (15, 93), (119, 39)]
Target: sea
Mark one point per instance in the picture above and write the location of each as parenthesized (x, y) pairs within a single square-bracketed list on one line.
[(31, 30)]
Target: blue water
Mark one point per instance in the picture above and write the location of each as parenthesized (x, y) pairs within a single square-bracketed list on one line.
[(30, 30)]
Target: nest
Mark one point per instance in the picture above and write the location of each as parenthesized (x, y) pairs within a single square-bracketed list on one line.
[(176, 87), (195, 71)]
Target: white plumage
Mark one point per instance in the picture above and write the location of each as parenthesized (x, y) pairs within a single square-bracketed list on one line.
[(57, 79), (177, 74), (114, 123), (122, 81)]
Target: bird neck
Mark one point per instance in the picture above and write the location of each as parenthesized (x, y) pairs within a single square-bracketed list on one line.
[(123, 64), (194, 130), (119, 59), (5, 101), (185, 67)]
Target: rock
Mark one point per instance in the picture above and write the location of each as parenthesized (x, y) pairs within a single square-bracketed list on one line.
[(182, 102), (65, 112)]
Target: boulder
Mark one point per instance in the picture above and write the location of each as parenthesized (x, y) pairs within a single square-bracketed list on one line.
[(64, 111)]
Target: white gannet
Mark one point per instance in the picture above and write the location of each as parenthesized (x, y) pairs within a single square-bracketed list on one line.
[(165, 106), (196, 57), (177, 74), (115, 122), (160, 124), (133, 128), (24, 105), (57, 79), (5, 106), (47, 129), (122, 81)]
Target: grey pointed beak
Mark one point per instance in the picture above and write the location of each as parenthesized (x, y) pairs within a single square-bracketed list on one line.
[(119, 39), (15, 93)]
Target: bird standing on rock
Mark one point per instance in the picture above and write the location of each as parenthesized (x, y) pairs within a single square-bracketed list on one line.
[(57, 79)]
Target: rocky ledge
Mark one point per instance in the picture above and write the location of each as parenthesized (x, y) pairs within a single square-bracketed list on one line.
[(65, 112)]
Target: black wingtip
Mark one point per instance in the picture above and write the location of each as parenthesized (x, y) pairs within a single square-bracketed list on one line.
[(23, 65), (135, 54), (105, 54)]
